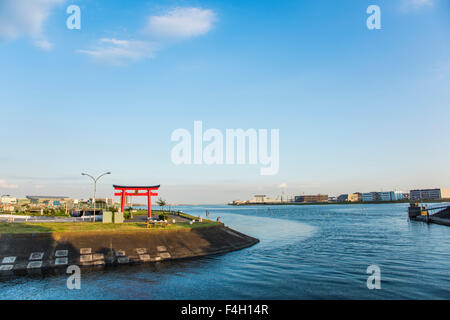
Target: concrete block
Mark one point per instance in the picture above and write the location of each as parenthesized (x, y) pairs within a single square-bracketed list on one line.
[(36, 256), (85, 251), (98, 256), (9, 260), (118, 217), (6, 267), (141, 251), (86, 258), (161, 248), (164, 255), (61, 261), (107, 217), (145, 257), (61, 253), (34, 265)]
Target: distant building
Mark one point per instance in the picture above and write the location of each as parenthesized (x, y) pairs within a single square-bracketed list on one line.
[(312, 198), (103, 202), (264, 199), (349, 197), (371, 196), (48, 200), (430, 194), (402, 195), (7, 199), (384, 196), (387, 196), (259, 198)]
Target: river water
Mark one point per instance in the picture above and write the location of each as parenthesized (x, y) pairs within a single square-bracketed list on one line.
[(306, 252)]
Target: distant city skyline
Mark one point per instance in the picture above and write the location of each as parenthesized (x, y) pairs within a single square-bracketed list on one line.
[(356, 109)]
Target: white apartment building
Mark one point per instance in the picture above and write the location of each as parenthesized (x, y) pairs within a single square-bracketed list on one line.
[(370, 196)]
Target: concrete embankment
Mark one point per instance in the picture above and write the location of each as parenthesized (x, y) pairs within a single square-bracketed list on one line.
[(27, 253), (432, 219)]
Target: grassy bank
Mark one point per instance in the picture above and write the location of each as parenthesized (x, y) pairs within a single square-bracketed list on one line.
[(6, 227)]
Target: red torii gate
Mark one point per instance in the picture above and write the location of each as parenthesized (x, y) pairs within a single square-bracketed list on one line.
[(133, 191)]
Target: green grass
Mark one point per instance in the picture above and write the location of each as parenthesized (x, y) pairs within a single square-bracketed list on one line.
[(155, 213), (144, 212), (6, 227)]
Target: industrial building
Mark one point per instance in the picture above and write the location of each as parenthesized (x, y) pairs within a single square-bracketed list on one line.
[(259, 198), (430, 194), (312, 198), (350, 197)]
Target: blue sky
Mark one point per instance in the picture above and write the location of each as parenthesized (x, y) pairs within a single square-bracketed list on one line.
[(357, 109)]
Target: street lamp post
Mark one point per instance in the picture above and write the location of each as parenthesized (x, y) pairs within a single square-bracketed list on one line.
[(95, 185)]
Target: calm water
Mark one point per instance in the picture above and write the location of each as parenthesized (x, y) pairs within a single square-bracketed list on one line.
[(308, 252)]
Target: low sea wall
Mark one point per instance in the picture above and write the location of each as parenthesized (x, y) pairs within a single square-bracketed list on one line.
[(432, 219), (27, 253)]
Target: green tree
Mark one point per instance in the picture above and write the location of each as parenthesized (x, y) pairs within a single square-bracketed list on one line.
[(162, 203)]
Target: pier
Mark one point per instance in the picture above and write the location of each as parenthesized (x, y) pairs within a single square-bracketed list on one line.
[(429, 215)]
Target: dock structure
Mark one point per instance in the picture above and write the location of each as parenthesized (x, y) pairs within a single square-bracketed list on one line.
[(429, 215)]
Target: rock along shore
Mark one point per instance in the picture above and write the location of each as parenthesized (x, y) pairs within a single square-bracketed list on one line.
[(30, 253)]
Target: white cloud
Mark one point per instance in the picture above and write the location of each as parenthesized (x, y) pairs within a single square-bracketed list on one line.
[(5, 185), (421, 3), (43, 44), (181, 23), (19, 18), (175, 25), (410, 5), (118, 51)]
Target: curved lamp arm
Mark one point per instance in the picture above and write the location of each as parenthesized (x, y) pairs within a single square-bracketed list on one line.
[(104, 174)]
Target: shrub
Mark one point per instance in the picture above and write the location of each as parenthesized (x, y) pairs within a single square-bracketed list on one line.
[(163, 216), (127, 214)]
